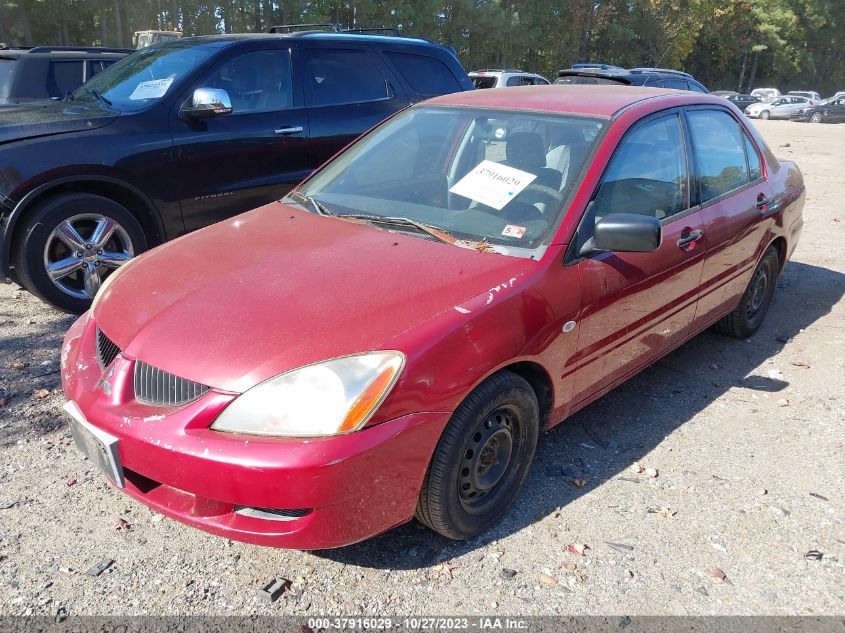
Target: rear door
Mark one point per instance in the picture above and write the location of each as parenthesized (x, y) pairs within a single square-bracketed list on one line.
[(256, 154), (348, 90), (637, 306), (736, 206)]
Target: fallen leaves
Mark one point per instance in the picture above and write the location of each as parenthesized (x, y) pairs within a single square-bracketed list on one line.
[(783, 402), (717, 574), (121, 524), (664, 512), (3, 402), (579, 549), (801, 363), (570, 566), (18, 365), (639, 469), (40, 393), (545, 579), (579, 483), (813, 554), (445, 569)]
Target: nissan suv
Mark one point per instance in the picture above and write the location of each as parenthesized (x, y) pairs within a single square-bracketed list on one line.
[(182, 134), (50, 72)]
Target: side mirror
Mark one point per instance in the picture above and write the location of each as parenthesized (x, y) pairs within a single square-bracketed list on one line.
[(208, 102), (627, 233)]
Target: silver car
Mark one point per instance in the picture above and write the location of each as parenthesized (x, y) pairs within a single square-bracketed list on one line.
[(780, 108), (502, 78)]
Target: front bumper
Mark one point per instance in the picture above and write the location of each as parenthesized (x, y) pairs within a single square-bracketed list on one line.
[(333, 491)]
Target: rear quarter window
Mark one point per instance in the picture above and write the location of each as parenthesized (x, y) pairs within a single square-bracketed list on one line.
[(63, 77), (426, 75)]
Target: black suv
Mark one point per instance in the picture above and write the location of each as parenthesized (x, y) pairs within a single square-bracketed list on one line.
[(50, 72), (182, 134), (587, 73)]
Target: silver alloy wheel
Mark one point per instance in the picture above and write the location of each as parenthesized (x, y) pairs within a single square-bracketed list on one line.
[(816, 117), (83, 250), (764, 114)]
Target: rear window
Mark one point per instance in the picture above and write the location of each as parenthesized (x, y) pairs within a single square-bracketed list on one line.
[(7, 73), (343, 76), (64, 77), (426, 75), (484, 82)]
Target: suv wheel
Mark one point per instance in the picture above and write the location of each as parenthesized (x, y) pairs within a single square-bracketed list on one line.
[(481, 459), (816, 117), (70, 243), (751, 311), (765, 114)]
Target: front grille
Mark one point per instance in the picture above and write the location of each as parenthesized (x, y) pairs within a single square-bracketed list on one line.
[(273, 514), (157, 387), (107, 350)]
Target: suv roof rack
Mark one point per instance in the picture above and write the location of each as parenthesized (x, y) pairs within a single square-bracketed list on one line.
[(79, 49), (499, 70), (12, 47), (290, 28), (375, 31), (670, 71)]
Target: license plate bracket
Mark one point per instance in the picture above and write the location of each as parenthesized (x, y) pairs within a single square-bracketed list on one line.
[(97, 445)]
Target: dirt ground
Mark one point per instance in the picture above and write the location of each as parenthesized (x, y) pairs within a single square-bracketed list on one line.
[(746, 437)]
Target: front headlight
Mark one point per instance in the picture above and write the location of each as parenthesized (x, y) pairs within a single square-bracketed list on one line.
[(328, 398)]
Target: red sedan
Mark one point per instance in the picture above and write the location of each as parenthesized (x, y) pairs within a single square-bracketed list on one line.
[(389, 340)]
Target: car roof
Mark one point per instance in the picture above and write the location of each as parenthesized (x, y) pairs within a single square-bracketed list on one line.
[(592, 100), (307, 35)]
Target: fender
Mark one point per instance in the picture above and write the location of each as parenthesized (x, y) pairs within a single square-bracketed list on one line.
[(19, 210)]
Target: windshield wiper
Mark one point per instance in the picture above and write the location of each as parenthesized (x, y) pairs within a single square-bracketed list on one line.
[(99, 96), (434, 231), (319, 207)]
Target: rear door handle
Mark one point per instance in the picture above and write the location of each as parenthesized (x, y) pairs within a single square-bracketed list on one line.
[(284, 131), (766, 205), (689, 240)]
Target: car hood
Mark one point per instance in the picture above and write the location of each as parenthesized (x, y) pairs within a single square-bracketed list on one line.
[(29, 120), (278, 288)]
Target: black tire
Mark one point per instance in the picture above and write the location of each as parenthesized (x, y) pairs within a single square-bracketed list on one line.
[(36, 246), (748, 316), (499, 418), (765, 114)]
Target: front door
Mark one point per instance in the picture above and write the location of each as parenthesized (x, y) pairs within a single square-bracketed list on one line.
[(636, 306), (256, 154)]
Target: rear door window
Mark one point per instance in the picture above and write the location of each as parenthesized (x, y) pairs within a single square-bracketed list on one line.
[(7, 75), (426, 75), (675, 84), (755, 168), (63, 77), (719, 152), (343, 76), (96, 66), (520, 80)]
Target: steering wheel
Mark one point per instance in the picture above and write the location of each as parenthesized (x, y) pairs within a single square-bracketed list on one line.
[(550, 193)]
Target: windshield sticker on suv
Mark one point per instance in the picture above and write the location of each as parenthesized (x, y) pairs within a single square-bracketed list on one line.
[(151, 89), (492, 184)]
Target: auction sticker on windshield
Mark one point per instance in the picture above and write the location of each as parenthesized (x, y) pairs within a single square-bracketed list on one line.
[(151, 89), (492, 184)]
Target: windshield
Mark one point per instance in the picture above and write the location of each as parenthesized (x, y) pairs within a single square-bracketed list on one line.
[(484, 82), (7, 69), (493, 180), (144, 77)]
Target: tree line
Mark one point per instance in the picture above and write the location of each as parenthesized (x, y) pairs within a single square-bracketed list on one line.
[(726, 44)]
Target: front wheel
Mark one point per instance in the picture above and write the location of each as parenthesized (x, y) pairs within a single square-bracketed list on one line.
[(70, 243), (482, 458), (816, 117), (748, 316), (765, 114)]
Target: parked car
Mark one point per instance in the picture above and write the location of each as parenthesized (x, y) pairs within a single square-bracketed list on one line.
[(724, 93), (766, 95), (780, 108), (742, 101), (828, 111), (390, 339), (186, 133), (841, 93), (50, 72), (815, 97), (142, 39), (607, 74), (498, 78)]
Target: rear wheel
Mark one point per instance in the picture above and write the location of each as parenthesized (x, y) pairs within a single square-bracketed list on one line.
[(481, 459), (748, 316), (816, 117), (765, 114), (71, 243)]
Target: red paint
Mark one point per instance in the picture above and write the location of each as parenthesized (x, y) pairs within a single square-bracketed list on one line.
[(277, 288)]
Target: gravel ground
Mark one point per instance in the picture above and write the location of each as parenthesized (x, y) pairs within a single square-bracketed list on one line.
[(746, 438)]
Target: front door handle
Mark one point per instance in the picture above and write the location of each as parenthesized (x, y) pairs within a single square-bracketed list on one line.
[(284, 131), (766, 204), (688, 240)]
